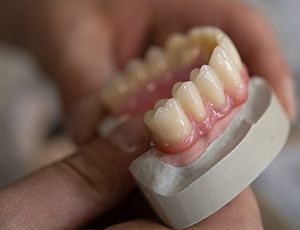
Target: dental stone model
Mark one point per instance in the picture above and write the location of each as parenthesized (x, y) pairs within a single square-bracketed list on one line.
[(213, 130)]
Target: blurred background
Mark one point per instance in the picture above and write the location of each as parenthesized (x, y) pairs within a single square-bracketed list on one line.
[(31, 132)]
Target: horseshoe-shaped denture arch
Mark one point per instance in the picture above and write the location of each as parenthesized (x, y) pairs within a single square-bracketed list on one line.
[(202, 81)]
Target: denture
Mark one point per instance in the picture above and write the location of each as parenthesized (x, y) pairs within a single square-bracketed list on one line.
[(196, 81), (213, 129)]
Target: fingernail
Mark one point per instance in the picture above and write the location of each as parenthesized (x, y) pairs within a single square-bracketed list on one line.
[(83, 117), (131, 137)]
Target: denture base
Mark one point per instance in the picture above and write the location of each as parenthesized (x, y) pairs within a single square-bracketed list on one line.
[(183, 196)]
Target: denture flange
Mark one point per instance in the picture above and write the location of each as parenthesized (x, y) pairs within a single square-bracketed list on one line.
[(183, 196)]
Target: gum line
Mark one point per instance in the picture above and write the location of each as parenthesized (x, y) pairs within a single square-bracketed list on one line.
[(188, 156), (160, 87), (200, 129)]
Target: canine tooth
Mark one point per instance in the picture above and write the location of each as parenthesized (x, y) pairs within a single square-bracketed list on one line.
[(225, 68), (156, 61), (168, 123), (226, 43), (188, 96), (209, 85)]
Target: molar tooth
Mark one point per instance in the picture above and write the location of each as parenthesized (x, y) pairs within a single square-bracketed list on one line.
[(136, 74), (168, 123), (136, 69), (189, 55), (175, 45), (160, 103), (226, 43), (115, 91), (156, 61), (225, 68), (187, 94), (209, 85)]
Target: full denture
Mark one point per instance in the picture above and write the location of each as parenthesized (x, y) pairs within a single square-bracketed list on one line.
[(199, 109)]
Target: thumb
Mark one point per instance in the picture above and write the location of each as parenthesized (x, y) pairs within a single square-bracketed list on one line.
[(71, 192)]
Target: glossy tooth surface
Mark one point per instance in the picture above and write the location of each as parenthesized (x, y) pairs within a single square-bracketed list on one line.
[(226, 43), (156, 62), (169, 123), (225, 68), (209, 85), (188, 96)]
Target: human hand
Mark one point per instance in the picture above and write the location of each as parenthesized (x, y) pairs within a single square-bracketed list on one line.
[(72, 192), (80, 43)]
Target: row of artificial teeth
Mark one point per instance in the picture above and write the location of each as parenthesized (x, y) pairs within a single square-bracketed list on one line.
[(168, 121), (180, 50)]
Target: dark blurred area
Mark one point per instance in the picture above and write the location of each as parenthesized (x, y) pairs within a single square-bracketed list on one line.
[(32, 134)]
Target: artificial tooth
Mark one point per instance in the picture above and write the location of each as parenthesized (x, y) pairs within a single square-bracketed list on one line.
[(204, 37), (136, 74), (188, 96), (194, 73), (175, 45), (226, 43), (156, 61), (225, 68), (169, 123), (136, 69), (209, 85), (160, 103), (189, 55), (115, 91)]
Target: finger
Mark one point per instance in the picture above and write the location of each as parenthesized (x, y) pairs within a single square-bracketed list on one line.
[(69, 193), (241, 213), (137, 225), (260, 50), (73, 44)]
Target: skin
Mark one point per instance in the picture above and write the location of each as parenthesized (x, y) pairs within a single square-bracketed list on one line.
[(79, 43)]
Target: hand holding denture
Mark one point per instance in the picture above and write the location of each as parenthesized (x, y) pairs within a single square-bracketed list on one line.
[(81, 42)]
